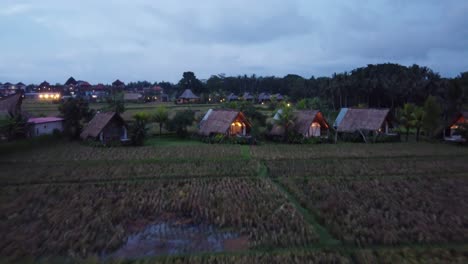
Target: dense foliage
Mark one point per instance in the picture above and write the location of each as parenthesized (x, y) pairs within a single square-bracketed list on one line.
[(75, 112)]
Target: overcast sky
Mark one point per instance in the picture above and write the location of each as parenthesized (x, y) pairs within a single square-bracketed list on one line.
[(100, 40)]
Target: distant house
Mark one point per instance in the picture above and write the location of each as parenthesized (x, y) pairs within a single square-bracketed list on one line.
[(118, 85), (264, 97), (133, 97), (225, 122), (278, 97), (188, 97), (364, 121), (39, 126), (106, 127), (248, 97), (232, 97), (451, 131), (11, 105), (308, 123)]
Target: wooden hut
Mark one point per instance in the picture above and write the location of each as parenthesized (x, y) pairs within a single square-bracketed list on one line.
[(226, 122), (106, 127), (451, 131), (364, 121), (309, 123), (188, 97)]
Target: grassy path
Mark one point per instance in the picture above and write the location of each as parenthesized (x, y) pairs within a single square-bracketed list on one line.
[(325, 239)]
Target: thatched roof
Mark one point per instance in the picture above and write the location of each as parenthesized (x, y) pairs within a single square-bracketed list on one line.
[(11, 105), (188, 94), (362, 119), (264, 96), (232, 96), (302, 122), (248, 96), (219, 121), (98, 123)]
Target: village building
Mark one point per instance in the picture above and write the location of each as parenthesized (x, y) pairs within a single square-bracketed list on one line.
[(39, 126), (264, 97), (106, 127), (232, 97), (451, 132), (187, 97), (225, 122), (366, 122), (248, 97), (308, 123), (133, 97)]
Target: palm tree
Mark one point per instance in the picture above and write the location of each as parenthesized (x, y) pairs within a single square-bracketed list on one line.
[(406, 117), (417, 120), (285, 120), (161, 116)]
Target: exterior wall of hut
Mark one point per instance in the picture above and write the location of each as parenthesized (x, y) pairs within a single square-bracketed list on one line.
[(113, 132)]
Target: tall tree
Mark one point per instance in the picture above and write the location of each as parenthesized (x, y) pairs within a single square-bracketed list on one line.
[(285, 120), (417, 119), (139, 128), (432, 112), (190, 81), (75, 112), (406, 117), (161, 116)]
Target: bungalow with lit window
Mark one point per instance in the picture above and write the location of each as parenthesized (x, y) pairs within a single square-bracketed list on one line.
[(39, 126), (308, 123), (187, 97), (106, 127), (367, 122), (451, 133), (225, 122)]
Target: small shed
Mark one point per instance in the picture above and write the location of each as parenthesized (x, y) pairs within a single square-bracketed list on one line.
[(451, 131), (106, 127), (188, 97), (39, 126), (226, 122), (309, 123)]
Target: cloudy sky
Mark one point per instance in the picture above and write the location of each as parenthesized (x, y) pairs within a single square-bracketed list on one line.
[(157, 40)]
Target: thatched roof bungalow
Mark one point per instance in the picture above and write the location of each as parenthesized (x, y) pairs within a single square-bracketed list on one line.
[(106, 127), (264, 97), (226, 122), (451, 131), (355, 119), (232, 97), (309, 123), (248, 97), (188, 97)]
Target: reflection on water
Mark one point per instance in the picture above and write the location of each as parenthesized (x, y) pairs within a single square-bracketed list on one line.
[(166, 238)]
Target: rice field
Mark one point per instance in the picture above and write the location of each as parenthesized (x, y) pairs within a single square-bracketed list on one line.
[(178, 202)]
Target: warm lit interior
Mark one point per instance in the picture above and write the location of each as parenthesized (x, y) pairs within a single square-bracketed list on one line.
[(314, 129), (237, 128)]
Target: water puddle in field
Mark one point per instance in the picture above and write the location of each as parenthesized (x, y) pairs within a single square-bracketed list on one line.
[(167, 238)]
